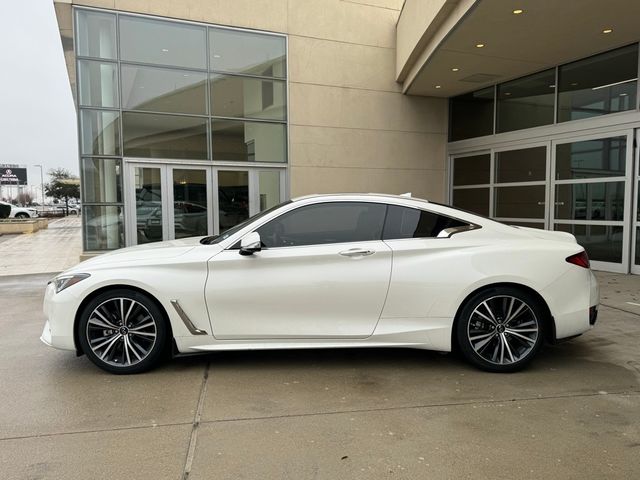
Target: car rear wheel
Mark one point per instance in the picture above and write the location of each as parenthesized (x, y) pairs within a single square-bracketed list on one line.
[(122, 331), (500, 329)]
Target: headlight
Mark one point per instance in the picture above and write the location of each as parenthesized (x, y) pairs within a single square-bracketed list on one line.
[(64, 281)]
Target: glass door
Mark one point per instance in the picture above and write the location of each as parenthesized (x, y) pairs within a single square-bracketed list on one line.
[(635, 208), (591, 194), (147, 205), (191, 200)]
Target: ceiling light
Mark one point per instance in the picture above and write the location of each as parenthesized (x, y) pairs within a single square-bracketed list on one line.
[(216, 56), (518, 11), (624, 94), (607, 30), (553, 85), (507, 93), (438, 86), (479, 45), (574, 84), (165, 49), (455, 69)]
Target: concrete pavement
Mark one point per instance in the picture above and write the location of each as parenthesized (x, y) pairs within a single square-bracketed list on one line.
[(363, 414), (52, 250)]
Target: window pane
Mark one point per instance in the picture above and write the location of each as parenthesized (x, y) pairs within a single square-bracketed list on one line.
[(472, 170), (590, 201), (405, 222), (526, 165), (164, 43), (474, 200), (604, 157), (599, 85), (520, 201), (248, 141), (526, 102), (637, 260), (245, 52), (190, 202), (101, 180), (103, 227), (247, 97), (603, 243), (269, 181), (100, 132), (471, 115), (164, 136), (164, 90), (96, 34), (233, 198), (324, 223), (98, 83), (148, 188)]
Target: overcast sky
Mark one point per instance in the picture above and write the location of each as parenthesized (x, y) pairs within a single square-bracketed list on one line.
[(37, 115)]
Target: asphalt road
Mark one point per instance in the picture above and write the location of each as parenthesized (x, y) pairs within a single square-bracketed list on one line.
[(363, 414)]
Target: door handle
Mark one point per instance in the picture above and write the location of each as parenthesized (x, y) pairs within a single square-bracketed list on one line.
[(357, 252)]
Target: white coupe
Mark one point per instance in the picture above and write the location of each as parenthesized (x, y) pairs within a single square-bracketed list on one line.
[(329, 271)]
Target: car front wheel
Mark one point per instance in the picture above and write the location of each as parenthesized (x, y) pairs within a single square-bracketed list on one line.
[(122, 331), (22, 215), (500, 329)]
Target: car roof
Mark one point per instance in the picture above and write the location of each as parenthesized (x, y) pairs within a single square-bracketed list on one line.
[(360, 196)]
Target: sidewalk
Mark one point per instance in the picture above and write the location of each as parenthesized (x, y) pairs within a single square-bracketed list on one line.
[(51, 250)]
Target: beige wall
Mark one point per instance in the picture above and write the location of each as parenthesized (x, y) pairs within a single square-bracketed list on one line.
[(351, 128)]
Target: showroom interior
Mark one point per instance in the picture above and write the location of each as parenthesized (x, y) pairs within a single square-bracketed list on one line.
[(191, 120)]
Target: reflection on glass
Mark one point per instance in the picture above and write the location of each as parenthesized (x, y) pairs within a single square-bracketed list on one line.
[(520, 201), (103, 227), (164, 136), (472, 199), (101, 180), (590, 201), (96, 34), (148, 204), (247, 52), (526, 165), (269, 185), (163, 90), (233, 198), (526, 102), (246, 97), (189, 202), (598, 85), (471, 115), (603, 243), (248, 141), (99, 132), (473, 170), (164, 43), (605, 157), (98, 84), (637, 261)]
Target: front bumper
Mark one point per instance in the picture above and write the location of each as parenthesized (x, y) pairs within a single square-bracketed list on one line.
[(60, 311)]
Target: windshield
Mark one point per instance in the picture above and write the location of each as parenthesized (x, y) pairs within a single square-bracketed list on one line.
[(227, 233)]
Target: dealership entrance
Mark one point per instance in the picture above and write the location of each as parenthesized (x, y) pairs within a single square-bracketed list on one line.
[(167, 201), (584, 184)]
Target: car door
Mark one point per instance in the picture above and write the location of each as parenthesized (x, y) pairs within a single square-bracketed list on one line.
[(323, 272)]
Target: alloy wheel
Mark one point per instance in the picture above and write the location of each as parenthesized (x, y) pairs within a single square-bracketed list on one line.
[(121, 332), (503, 330)]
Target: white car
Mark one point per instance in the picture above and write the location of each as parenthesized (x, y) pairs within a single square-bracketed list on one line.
[(21, 212), (330, 271)]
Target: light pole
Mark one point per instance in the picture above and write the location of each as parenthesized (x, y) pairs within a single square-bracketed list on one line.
[(41, 184)]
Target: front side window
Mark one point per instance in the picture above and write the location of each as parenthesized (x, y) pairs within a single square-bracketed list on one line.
[(335, 222), (404, 222)]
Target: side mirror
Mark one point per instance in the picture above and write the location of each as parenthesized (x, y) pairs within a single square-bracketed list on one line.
[(250, 244)]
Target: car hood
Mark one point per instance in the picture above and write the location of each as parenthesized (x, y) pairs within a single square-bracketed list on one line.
[(151, 251)]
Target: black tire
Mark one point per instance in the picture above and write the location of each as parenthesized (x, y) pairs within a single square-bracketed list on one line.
[(22, 215), (112, 345), (492, 341)]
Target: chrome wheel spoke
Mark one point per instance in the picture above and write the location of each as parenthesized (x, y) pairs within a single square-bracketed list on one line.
[(109, 335), (515, 334), (507, 348)]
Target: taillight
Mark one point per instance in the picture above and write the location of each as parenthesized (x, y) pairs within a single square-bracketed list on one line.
[(580, 259)]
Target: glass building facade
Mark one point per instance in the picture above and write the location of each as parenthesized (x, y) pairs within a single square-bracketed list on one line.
[(547, 151), (182, 126)]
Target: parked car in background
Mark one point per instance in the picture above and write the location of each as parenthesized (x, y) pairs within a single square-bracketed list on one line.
[(21, 212)]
